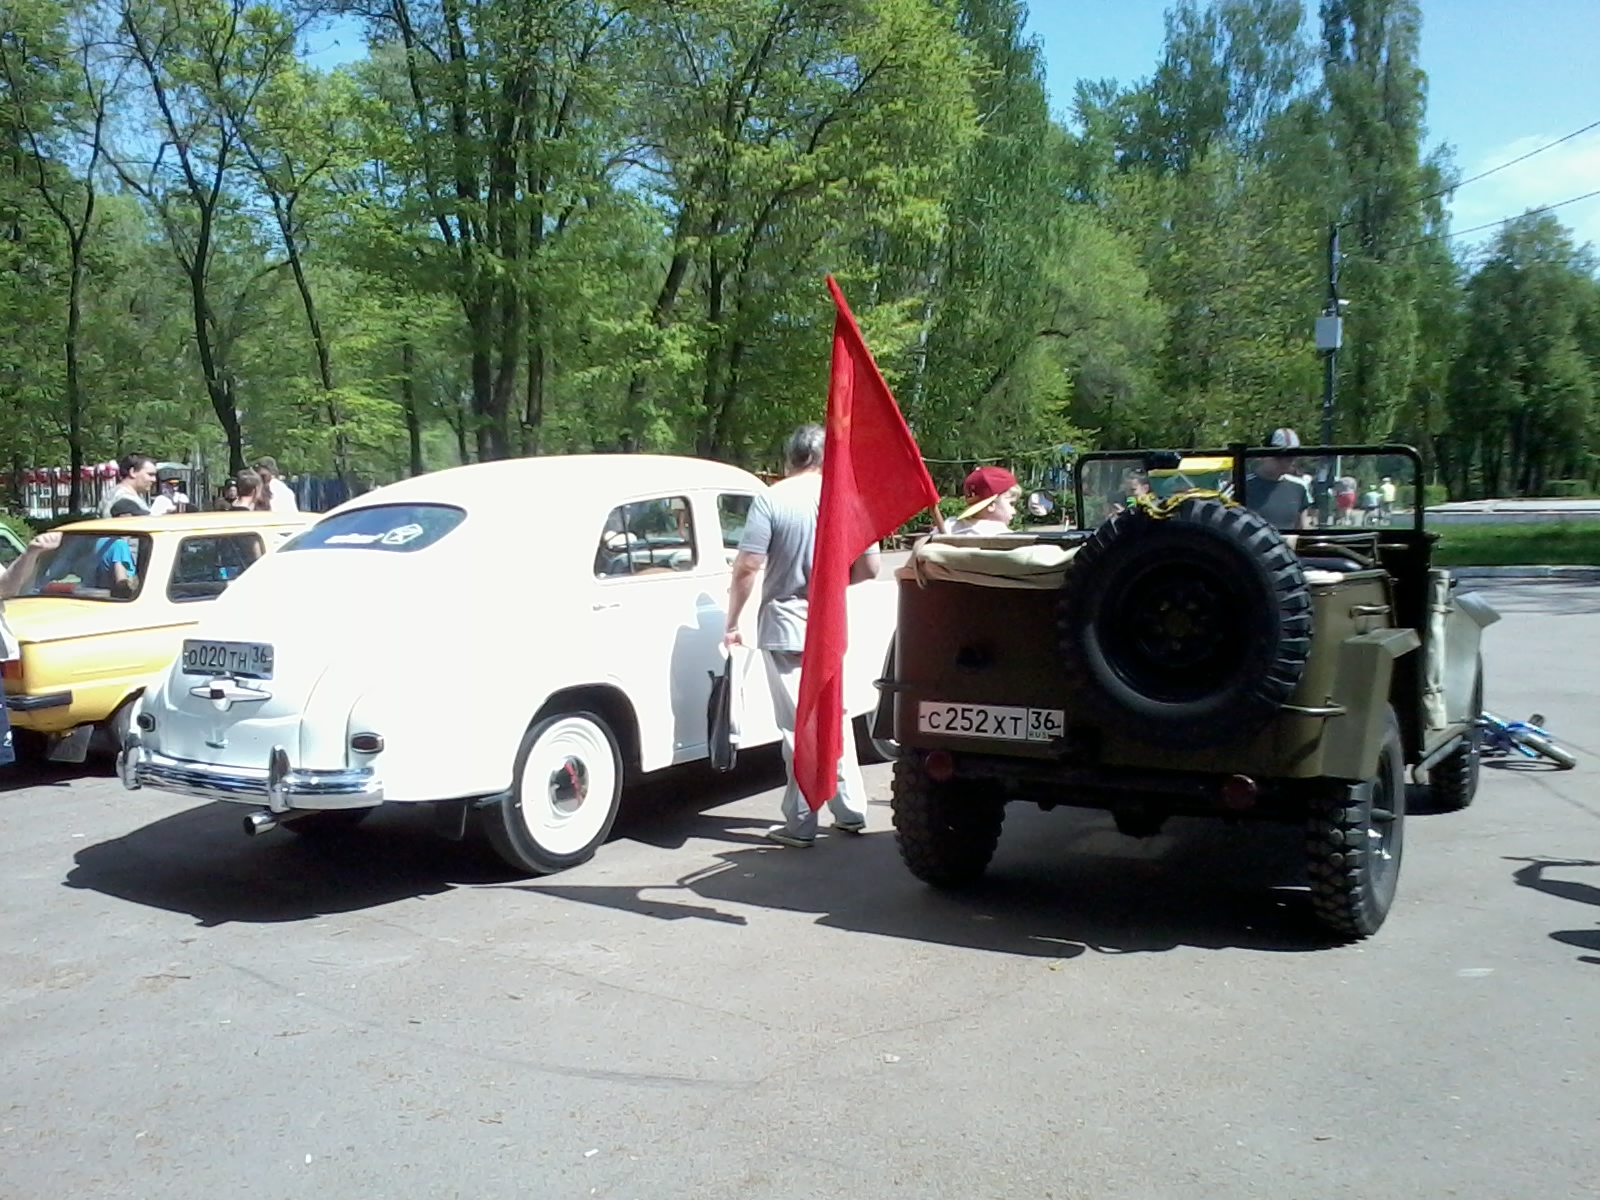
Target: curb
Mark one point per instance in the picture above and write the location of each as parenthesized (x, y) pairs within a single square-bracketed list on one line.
[(1570, 574)]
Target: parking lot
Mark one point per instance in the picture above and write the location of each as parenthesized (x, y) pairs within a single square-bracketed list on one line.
[(185, 1012)]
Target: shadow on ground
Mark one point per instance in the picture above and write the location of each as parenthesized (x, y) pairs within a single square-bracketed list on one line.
[(1063, 884), (29, 773), (1533, 875), (200, 862)]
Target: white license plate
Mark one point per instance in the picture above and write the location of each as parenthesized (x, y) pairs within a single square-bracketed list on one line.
[(245, 660), (998, 721)]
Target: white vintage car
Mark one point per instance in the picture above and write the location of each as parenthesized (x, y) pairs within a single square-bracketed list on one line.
[(511, 638)]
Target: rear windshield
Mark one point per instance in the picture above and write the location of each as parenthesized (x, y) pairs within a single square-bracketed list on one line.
[(91, 566), (398, 528)]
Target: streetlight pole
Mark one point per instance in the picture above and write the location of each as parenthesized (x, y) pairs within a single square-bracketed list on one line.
[(1330, 333)]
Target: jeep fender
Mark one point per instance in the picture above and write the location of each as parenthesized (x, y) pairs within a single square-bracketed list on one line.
[(1353, 739)]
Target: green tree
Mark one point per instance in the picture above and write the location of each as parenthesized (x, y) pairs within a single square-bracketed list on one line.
[(1036, 316), (58, 96), (784, 140), (203, 64), (1375, 95), (1523, 389)]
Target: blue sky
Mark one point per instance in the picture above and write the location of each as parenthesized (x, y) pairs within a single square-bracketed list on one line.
[(1503, 78)]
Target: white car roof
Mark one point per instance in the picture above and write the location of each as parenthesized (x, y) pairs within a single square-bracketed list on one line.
[(559, 479)]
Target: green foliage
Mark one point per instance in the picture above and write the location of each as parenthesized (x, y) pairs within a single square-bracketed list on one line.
[(18, 526), (571, 225), (1555, 543), (1523, 387), (1567, 489)]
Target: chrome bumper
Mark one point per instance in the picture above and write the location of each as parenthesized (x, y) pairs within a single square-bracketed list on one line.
[(279, 786)]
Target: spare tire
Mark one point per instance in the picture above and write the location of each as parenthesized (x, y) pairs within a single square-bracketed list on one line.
[(1192, 627)]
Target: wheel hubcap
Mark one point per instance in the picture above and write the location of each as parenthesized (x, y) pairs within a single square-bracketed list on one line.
[(569, 785)]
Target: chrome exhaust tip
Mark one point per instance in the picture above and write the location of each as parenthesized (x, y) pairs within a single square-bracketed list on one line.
[(261, 822)]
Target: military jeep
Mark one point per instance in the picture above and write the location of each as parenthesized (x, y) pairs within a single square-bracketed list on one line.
[(1261, 648)]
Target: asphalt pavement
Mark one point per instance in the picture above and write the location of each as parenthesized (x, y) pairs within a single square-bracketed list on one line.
[(185, 1012)]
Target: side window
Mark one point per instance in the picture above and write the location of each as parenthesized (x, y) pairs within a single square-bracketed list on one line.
[(732, 511), (648, 537), (86, 567), (207, 564)]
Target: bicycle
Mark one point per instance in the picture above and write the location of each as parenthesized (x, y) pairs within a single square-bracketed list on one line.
[(1502, 739)]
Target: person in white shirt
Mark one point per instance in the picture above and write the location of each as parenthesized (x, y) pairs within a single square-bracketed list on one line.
[(170, 497), (280, 495)]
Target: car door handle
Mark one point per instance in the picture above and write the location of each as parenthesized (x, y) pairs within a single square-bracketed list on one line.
[(604, 607)]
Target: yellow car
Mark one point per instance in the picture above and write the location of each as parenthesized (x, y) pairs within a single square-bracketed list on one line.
[(1207, 474), (109, 607)]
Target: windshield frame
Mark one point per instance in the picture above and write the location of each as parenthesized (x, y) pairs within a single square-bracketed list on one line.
[(1162, 459)]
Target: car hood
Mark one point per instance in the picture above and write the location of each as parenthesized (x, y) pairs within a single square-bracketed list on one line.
[(54, 618)]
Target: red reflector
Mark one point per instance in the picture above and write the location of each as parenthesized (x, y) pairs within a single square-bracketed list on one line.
[(940, 765), (1239, 791), (11, 669)]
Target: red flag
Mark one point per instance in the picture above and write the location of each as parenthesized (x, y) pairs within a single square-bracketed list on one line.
[(873, 481)]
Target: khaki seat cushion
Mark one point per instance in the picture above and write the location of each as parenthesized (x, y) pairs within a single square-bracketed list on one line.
[(989, 562)]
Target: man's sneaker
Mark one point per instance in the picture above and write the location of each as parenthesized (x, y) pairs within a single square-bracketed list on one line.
[(857, 826), (785, 837)]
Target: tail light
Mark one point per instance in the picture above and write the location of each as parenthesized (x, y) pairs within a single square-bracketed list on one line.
[(940, 765), (11, 669)]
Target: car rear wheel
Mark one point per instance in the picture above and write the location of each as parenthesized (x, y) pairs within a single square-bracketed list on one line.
[(108, 739), (1353, 845), (566, 787)]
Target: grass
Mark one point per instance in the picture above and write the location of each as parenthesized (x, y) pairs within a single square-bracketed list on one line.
[(1557, 543)]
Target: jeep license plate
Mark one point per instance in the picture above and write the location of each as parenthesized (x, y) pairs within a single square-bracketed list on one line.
[(996, 721)]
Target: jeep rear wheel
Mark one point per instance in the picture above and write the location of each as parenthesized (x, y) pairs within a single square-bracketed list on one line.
[(1353, 845), (947, 832)]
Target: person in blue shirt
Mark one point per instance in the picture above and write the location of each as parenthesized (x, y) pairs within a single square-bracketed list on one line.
[(115, 568)]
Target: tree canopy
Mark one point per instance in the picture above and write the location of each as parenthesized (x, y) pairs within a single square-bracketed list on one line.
[(503, 227)]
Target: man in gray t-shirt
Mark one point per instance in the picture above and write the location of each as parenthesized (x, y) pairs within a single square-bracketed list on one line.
[(780, 534)]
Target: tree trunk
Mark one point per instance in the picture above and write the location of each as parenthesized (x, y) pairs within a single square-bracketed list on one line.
[(408, 404), (74, 387), (217, 389), (533, 398), (319, 341), (716, 357)]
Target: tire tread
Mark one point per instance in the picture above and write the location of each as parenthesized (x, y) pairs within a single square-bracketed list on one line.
[(945, 838)]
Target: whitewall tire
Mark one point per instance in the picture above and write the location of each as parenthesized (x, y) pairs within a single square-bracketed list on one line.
[(566, 786)]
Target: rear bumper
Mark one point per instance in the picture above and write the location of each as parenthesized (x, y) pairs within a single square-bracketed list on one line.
[(278, 786), (25, 704)]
